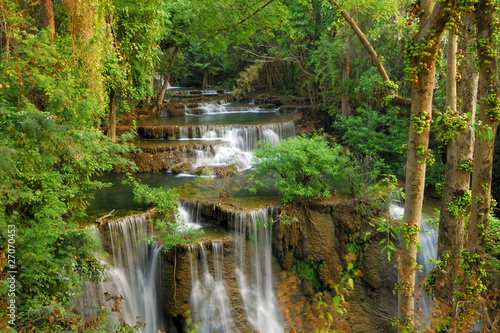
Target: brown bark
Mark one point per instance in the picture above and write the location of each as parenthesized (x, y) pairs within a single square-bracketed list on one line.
[(451, 72), (346, 112), (434, 19), (456, 180), (48, 17), (112, 115), (485, 135), (163, 91), (422, 93)]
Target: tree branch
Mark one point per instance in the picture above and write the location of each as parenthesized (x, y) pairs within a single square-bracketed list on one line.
[(234, 25)]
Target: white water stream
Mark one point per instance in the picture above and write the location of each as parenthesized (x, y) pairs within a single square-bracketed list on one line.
[(428, 242), (135, 274), (252, 264)]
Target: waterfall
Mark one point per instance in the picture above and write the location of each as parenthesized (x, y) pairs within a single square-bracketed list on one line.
[(209, 296), (428, 242), (135, 274), (222, 107), (238, 143), (253, 268)]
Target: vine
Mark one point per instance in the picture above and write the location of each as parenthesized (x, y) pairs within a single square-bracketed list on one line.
[(426, 155), (420, 123), (467, 166), (450, 123), (459, 206)]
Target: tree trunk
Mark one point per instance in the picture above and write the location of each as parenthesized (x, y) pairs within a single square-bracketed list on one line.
[(48, 17), (456, 180), (163, 91), (112, 115), (346, 112), (423, 65), (204, 84), (488, 115), (432, 21)]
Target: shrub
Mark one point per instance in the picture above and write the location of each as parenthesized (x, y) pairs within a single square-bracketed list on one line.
[(302, 167), (375, 133)]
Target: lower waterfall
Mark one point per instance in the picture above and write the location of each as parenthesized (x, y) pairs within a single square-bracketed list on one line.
[(135, 273), (428, 242), (251, 264)]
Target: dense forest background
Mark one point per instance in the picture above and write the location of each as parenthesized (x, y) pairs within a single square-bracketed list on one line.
[(71, 69)]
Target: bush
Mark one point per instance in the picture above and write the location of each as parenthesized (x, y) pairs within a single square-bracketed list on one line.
[(302, 167), (375, 133)]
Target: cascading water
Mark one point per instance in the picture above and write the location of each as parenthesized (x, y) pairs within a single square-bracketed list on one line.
[(209, 298), (253, 269), (238, 143), (428, 242), (135, 274)]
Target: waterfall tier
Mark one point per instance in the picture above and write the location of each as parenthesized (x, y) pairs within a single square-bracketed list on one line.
[(135, 273), (249, 270)]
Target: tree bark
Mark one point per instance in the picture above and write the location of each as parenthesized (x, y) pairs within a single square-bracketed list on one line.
[(451, 72), (346, 112), (163, 91), (421, 116), (433, 20), (489, 105), (112, 115), (456, 180), (48, 17)]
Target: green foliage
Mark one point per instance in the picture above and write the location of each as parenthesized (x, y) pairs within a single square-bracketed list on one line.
[(493, 243), (393, 231), (168, 231), (302, 167), (376, 133), (132, 39), (308, 270), (286, 220), (246, 79)]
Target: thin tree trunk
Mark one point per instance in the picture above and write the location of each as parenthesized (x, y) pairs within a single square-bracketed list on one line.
[(451, 73), (204, 84), (48, 17), (396, 100), (112, 115), (346, 112), (456, 179), (163, 91)]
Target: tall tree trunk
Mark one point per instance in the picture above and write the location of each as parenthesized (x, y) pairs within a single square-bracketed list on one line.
[(432, 25), (423, 66), (112, 115), (488, 115), (163, 91), (456, 179), (48, 17)]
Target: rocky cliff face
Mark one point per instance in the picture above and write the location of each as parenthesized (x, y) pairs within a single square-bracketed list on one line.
[(319, 240)]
